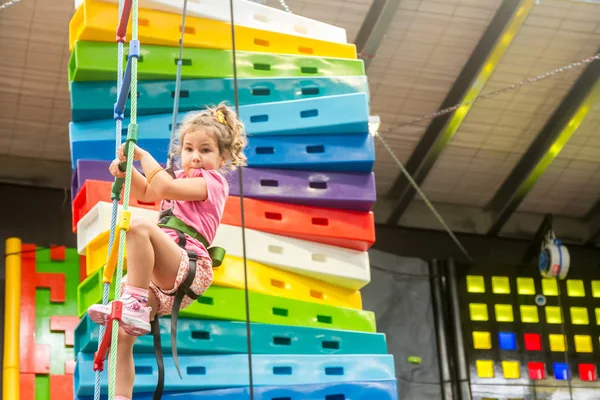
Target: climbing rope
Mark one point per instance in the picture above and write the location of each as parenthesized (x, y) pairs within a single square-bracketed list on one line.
[(124, 223), (126, 84), (243, 222), (115, 201)]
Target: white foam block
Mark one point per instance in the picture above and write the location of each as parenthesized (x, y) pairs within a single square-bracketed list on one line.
[(332, 264), (97, 221), (249, 14)]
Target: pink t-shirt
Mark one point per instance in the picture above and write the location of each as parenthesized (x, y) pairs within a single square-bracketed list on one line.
[(204, 216)]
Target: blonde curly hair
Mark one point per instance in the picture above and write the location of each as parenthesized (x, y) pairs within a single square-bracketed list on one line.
[(229, 132)]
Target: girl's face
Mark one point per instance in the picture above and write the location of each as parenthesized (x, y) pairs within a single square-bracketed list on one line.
[(200, 150)]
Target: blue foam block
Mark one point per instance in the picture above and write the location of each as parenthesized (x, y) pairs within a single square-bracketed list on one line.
[(95, 100), (351, 153), (342, 114), (380, 390), (230, 371), (195, 336)]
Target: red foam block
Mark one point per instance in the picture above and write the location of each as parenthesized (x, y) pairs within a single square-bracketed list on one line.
[(66, 324), (27, 387), (537, 370), (61, 387), (58, 253), (533, 342), (587, 372)]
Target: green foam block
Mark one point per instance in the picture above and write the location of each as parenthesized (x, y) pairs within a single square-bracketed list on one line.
[(221, 303), (97, 61)]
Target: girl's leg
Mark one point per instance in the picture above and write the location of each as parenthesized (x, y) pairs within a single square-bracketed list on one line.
[(151, 254), (125, 367)]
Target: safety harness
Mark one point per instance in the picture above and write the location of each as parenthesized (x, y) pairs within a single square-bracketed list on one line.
[(168, 220)]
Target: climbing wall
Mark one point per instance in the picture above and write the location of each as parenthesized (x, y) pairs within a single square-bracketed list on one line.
[(528, 337), (308, 192), (48, 318)]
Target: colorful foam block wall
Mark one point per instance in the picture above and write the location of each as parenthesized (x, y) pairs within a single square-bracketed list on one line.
[(40, 323), (308, 192), (540, 337)]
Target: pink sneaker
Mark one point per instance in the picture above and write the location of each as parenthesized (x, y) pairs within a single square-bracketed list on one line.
[(135, 320)]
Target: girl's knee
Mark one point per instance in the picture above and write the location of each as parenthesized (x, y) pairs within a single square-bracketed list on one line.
[(140, 226)]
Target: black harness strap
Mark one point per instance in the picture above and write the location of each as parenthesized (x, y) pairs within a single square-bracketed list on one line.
[(184, 289)]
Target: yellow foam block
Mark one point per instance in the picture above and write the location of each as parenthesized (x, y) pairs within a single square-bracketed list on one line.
[(504, 313), (525, 286), (557, 342), (500, 285), (553, 315), (96, 20), (549, 287), (275, 282), (511, 369), (597, 316), (596, 288), (482, 340), (575, 288), (583, 344), (485, 368), (529, 314), (96, 252), (579, 316), (478, 312), (475, 284)]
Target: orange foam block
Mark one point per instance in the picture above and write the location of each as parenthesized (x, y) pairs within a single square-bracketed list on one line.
[(61, 387), (343, 228), (27, 387), (91, 192)]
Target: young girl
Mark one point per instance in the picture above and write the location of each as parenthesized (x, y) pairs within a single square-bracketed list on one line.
[(156, 265)]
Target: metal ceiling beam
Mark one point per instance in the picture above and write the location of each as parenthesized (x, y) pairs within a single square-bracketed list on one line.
[(559, 128), (500, 33), (375, 25)]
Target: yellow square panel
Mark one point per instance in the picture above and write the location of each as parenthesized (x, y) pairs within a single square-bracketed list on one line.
[(549, 287), (597, 316), (482, 340), (583, 344), (475, 284), (575, 288), (529, 314), (511, 370), (500, 285), (557, 342), (596, 288), (485, 368), (525, 286), (504, 313), (478, 312), (579, 316), (553, 315)]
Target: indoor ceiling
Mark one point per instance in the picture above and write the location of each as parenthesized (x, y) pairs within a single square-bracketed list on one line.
[(496, 167)]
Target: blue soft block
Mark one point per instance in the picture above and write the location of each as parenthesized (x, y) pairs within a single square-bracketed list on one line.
[(352, 153), (342, 114), (507, 340), (195, 336), (380, 390), (94, 100), (561, 371), (231, 371)]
